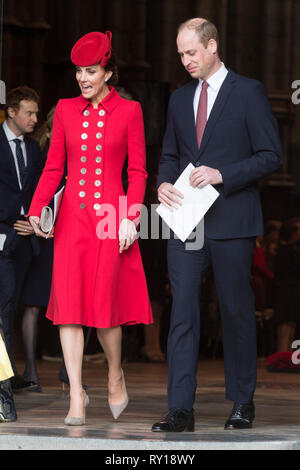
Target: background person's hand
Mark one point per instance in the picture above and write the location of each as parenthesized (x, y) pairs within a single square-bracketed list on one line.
[(169, 196), (127, 234), (23, 228)]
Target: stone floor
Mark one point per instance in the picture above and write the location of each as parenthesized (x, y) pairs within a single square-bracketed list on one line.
[(40, 415)]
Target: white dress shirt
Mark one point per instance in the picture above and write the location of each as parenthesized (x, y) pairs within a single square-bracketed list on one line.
[(10, 137), (215, 82)]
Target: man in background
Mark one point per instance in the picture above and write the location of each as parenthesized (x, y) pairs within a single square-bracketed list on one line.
[(20, 167)]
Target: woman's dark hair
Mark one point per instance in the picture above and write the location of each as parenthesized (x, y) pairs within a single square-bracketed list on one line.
[(111, 66)]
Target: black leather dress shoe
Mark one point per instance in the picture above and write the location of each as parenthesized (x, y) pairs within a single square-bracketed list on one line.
[(241, 416), (8, 412), (177, 420), (18, 384)]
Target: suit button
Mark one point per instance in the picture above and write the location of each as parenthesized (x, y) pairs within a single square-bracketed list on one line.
[(98, 171), (82, 206), (83, 171), (81, 194), (84, 136), (83, 159), (98, 148), (85, 124), (86, 113), (100, 124), (97, 183), (98, 135), (96, 207), (83, 148), (82, 182), (102, 112), (198, 163), (97, 195), (98, 159)]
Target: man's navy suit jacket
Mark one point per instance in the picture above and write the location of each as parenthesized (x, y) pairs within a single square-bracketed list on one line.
[(241, 140), (12, 198)]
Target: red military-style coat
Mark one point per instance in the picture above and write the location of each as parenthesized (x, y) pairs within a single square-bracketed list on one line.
[(92, 283)]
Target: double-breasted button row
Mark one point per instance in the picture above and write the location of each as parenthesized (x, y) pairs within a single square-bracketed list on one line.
[(84, 136), (96, 195), (98, 158)]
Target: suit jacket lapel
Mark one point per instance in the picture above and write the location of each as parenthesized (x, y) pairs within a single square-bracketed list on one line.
[(7, 156), (217, 108), (189, 116)]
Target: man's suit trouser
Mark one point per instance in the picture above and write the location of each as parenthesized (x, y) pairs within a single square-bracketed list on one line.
[(231, 261), (14, 265)]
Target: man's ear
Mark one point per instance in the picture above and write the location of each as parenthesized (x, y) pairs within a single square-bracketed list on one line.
[(11, 112), (212, 45)]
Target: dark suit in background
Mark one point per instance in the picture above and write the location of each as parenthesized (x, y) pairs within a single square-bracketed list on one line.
[(18, 251), (240, 140)]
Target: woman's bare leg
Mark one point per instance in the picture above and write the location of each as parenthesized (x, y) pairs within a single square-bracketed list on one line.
[(111, 342), (72, 342)]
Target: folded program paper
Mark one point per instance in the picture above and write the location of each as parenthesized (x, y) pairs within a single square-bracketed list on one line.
[(195, 204)]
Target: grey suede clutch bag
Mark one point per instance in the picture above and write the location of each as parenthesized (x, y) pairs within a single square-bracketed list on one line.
[(46, 219)]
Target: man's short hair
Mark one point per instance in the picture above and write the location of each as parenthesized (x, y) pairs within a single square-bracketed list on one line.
[(204, 28), (15, 96)]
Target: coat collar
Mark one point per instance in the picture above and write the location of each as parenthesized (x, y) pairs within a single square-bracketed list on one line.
[(108, 103)]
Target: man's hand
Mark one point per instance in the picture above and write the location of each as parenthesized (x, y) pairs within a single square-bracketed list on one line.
[(23, 228), (169, 196), (127, 234), (204, 175), (35, 223)]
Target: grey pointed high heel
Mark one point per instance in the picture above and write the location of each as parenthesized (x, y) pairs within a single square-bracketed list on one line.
[(72, 421), (116, 410)]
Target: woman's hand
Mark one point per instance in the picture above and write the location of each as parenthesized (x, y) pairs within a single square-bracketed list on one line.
[(127, 234), (35, 223)]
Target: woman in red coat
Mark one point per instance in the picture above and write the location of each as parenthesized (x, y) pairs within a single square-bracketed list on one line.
[(98, 278)]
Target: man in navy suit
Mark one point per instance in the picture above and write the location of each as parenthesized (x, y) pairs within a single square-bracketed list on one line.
[(20, 167), (223, 124)]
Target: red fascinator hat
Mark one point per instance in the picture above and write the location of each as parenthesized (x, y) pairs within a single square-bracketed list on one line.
[(93, 48)]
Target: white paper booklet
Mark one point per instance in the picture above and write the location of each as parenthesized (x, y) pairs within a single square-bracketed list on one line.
[(195, 204)]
